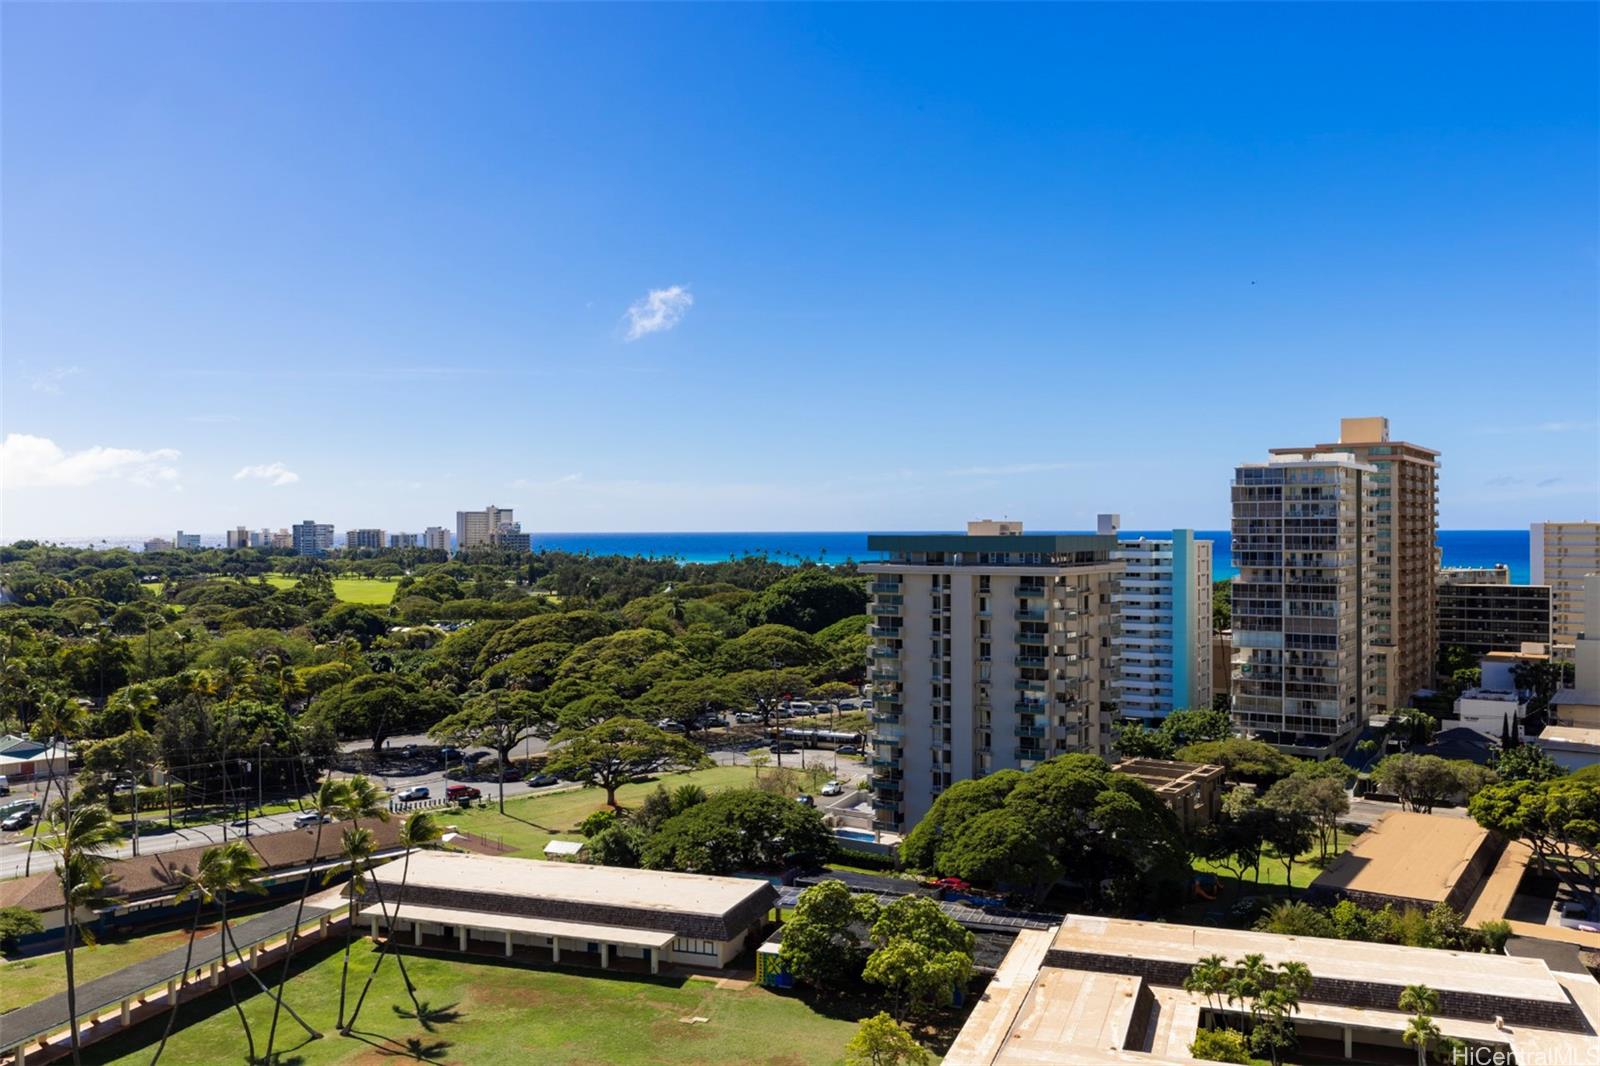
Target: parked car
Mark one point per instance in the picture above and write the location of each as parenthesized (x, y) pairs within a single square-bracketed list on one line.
[(542, 780), (412, 794), (309, 818), (799, 707), (450, 754), (833, 788), (457, 792), (785, 749), (473, 758), (849, 749), (746, 718), (805, 800), (1575, 914), (670, 725), (17, 821), (5, 785)]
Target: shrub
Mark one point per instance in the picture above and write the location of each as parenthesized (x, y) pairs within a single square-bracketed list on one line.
[(16, 923), (1220, 1045), (1495, 934)]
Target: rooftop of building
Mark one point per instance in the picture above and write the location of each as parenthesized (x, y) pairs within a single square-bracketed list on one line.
[(1097, 545), (579, 883), (1407, 856), (1571, 736), (1168, 775)]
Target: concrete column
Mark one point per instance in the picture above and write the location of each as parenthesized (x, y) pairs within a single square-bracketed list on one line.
[(20, 1055), (127, 1011), (605, 955), (555, 949), (374, 927), (255, 953), (508, 945), (655, 960), (172, 992), (462, 934), (216, 975), (322, 924), (1348, 1042), (416, 933)]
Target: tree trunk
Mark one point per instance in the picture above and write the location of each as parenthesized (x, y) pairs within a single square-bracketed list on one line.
[(294, 930), (233, 993), (188, 957), (71, 929), (383, 951)]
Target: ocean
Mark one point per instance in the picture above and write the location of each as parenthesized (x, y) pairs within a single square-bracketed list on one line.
[(1462, 547)]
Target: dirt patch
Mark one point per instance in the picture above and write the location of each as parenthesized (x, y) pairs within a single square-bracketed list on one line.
[(672, 1031), (489, 995)]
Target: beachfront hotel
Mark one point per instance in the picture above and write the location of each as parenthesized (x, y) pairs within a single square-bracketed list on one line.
[(1300, 543), (1163, 600), (1402, 531), (991, 650)]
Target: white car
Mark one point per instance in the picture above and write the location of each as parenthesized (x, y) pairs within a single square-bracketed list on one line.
[(833, 788), (412, 794), (308, 818)]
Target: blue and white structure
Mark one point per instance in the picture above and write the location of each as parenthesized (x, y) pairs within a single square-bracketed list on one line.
[(1163, 602)]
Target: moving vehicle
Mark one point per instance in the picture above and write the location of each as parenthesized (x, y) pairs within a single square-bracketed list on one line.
[(473, 758), (456, 792), (848, 749), (412, 794), (19, 820), (785, 749), (5, 785), (670, 725), (833, 788), (805, 800), (450, 754), (542, 780), (309, 818)]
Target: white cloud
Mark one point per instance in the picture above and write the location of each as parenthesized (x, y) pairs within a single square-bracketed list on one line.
[(50, 381), (660, 310), (272, 473), (28, 462)]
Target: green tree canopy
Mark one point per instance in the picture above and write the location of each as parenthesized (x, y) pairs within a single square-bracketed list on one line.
[(740, 829), (810, 600), (620, 750)]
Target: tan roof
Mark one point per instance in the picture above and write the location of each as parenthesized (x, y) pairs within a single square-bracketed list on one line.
[(612, 934), (1406, 855), (163, 872), (580, 883), (1571, 734), (1357, 961)]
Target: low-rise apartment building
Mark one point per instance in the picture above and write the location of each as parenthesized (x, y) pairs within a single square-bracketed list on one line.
[(186, 541), (991, 650)]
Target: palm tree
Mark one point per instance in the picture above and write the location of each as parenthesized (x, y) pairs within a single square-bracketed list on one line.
[(80, 844), (1209, 978), (420, 831), (222, 870), (1423, 1002), (358, 846), (328, 803), (57, 719)]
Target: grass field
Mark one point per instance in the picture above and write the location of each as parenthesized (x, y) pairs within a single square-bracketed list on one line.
[(484, 1011), (372, 591), (529, 824), (24, 981)]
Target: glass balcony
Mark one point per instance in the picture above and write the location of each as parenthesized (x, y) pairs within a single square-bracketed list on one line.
[(1030, 706), (1031, 614), (1025, 685), (1029, 754), (1036, 661), (891, 609), (1028, 731), (892, 632), (1041, 639), (882, 587), (885, 653), (880, 673)]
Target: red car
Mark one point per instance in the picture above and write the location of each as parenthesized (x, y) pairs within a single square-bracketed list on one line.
[(459, 792), (954, 884)]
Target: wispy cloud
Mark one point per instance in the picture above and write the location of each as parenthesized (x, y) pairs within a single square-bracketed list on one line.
[(660, 310), (28, 462), (271, 473), (50, 381), (1540, 427)]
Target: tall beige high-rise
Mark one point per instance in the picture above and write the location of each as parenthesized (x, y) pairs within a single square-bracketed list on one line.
[(1401, 609), (1561, 555), (475, 529)]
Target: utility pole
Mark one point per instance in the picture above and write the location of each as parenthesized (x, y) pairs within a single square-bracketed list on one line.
[(135, 781), (260, 797)]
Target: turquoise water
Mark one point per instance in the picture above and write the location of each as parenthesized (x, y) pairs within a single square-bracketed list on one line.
[(1462, 547)]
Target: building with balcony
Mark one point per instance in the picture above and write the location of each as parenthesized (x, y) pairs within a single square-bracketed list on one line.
[(1402, 532), (991, 650), (477, 529), (1481, 611), (312, 538), (186, 541), (1300, 527), (403, 540), (1561, 555), (1163, 602), (357, 539), (436, 538), (238, 537), (158, 544), (510, 537)]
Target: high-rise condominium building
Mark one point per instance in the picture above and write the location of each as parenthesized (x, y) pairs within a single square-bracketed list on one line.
[(356, 539), (1300, 528), (476, 529), (1401, 608), (511, 537), (402, 540), (1164, 603), (436, 538), (312, 538), (990, 651), (186, 541), (1561, 555), (1481, 611), (285, 539), (238, 537), (158, 544)]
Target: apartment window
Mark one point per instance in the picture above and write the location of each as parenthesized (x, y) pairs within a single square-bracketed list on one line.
[(983, 649), (689, 946), (983, 582)]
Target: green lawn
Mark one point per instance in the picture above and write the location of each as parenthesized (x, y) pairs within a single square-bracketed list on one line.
[(529, 824), (1306, 866), (372, 591), (24, 981), (483, 1011)]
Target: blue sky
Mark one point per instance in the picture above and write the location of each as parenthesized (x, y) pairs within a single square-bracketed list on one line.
[(889, 266)]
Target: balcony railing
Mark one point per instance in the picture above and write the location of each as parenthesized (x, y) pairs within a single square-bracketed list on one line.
[(891, 609), (1028, 731), (1031, 614), (885, 588), (1037, 661), (892, 632)]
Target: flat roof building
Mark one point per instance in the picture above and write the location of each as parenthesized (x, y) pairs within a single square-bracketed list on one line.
[(477, 529), (1163, 602), (1413, 859), (574, 910), (1481, 611), (312, 538), (991, 650), (1192, 791), (1108, 990), (356, 539)]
